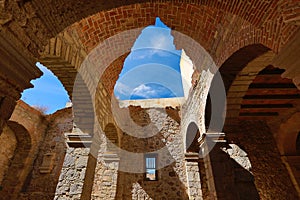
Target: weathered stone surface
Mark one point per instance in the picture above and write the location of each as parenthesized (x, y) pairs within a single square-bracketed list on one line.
[(42, 186), (72, 175), (221, 27), (8, 145)]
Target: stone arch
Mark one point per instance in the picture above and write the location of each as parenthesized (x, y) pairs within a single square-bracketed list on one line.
[(95, 39), (63, 55), (191, 139), (19, 169), (74, 38), (254, 27), (238, 73)]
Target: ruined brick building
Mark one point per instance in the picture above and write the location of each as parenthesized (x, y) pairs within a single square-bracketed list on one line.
[(251, 152)]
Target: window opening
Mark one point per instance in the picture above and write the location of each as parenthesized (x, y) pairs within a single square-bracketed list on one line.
[(151, 165)]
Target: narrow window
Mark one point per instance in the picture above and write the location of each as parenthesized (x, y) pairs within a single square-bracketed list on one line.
[(150, 164)]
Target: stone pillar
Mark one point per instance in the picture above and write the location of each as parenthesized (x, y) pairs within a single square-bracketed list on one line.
[(193, 176), (105, 184), (72, 175), (7, 106), (219, 170)]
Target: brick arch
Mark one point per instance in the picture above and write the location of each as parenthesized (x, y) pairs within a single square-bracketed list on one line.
[(16, 175), (232, 71), (219, 32), (261, 69), (54, 17), (216, 30), (63, 13), (224, 26), (239, 70), (111, 74)]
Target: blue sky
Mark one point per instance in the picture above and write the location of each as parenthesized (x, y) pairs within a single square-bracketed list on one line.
[(47, 92), (150, 71), (152, 68)]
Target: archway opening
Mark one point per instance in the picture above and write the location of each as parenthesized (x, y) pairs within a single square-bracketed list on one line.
[(192, 136), (15, 178), (153, 70), (48, 94)]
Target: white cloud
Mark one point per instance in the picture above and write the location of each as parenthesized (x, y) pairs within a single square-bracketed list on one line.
[(144, 91), (155, 38), (162, 41)]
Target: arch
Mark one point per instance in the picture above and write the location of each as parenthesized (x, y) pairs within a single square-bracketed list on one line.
[(218, 37), (67, 51), (216, 41), (191, 139), (237, 87), (97, 40), (19, 169), (52, 13), (63, 55), (238, 80), (55, 17), (239, 60), (230, 30)]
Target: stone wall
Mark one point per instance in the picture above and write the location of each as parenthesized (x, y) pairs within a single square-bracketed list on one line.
[(34, 149), (105, 180), (167, 143), (270, 176), (29, 127), (43, 178), (8, 143), (72, 175), (193, 178)]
